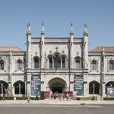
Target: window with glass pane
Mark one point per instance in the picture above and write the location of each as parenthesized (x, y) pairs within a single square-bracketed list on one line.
[(94, 65), (94, 88), (22, 88), (16, 88), (1, 65), (77, 63), (19, 88), (111, 65), (63, 62), (57, 62), (19, 64), (50, 62), (36, 62)]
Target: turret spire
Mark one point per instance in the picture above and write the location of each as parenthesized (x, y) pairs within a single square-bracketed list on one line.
[(42, 31), (85, 30), (28, 28), (102, 48), (71, 30)]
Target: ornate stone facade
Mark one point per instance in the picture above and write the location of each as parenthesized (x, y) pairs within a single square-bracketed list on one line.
[(56, 65)]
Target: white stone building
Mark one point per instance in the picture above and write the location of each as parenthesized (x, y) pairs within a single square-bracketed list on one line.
[(56, 65)]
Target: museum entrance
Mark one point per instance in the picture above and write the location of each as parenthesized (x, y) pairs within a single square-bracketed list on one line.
[(57, 87)]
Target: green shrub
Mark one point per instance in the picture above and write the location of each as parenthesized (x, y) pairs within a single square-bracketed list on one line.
[(106, 98), (21, 98), (9, 98)]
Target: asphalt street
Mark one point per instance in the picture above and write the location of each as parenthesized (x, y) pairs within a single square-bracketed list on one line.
[(56, 109)]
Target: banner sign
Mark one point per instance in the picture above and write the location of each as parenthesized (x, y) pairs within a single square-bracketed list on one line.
[(79, 85), (35, 85), (110, 91)]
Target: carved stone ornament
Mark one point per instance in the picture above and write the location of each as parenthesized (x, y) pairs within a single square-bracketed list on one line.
[(77, 53), (50, 51)]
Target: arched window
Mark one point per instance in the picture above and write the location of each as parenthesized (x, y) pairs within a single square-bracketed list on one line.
[(94, 65), (111, 65), (57, 62), (94, 87), (19, 64), (77, 60), (19, 87), (3, 87), (50, 62), (1, 65), (36, 62), (109, 87), (63, 62)]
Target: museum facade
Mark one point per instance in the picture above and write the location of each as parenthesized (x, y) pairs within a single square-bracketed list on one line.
[(55, 64)]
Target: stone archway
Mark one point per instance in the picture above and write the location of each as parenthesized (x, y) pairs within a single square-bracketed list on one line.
[(57, 85)]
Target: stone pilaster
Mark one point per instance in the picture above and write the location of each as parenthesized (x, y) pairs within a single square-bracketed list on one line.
[(42, 46), (71, 46), (85, 47)]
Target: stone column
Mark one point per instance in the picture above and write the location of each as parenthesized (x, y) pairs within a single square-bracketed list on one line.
[(103, 92), (53, 63), (25, 88), (29, 83), (61, 62), (19, 89), (86, 84)]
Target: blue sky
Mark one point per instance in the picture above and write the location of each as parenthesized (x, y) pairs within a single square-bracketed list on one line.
[(57, 16)]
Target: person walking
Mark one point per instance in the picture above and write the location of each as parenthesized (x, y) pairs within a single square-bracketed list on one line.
[(67, 96)]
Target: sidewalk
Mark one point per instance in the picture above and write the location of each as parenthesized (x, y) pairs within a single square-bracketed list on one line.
[(48, 101)]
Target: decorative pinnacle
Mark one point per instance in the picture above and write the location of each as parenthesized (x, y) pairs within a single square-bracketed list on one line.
[(71, 30), (102, 48), (42, 23), (42, 31), (28, 27), (85, 29)]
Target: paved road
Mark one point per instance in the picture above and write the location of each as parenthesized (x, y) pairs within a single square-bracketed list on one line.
[(56, 109)]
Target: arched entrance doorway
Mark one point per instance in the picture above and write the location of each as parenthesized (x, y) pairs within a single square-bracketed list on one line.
[(57, 85)]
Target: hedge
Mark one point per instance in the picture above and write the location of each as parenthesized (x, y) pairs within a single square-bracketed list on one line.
[(106, 98)]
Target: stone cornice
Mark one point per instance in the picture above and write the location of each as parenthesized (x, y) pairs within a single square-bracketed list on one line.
[(58, 39), (57, 70), (91, 54), (14, 53), (95, 53)]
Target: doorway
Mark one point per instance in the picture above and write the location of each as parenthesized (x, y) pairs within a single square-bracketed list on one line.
[(57, 87)]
